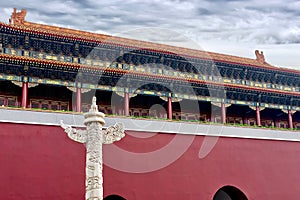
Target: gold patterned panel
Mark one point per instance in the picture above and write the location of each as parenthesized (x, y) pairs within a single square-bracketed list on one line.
[(227, 80)]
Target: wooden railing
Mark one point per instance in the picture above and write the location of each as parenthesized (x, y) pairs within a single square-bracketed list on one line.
[(48, 104)]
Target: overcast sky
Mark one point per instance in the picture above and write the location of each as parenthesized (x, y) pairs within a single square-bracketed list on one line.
[(235, 27)]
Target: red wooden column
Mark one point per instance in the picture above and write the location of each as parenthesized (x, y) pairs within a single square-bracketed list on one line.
[(126, 103), (223, 110), (170, 115), (290, 119), (78, 99), (24, 94), (258, 121)]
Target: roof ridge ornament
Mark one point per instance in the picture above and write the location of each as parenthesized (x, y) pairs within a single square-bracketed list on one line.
[(260, 57), (17, 18)]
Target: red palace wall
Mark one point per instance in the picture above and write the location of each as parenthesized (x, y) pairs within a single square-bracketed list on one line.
[(41, 162)]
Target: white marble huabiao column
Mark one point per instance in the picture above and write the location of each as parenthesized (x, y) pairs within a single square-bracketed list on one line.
[(94, 136)]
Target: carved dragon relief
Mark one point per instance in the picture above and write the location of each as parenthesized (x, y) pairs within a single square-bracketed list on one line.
[(110, 135)]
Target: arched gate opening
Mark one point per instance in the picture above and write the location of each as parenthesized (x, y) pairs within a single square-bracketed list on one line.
[(229, 193)]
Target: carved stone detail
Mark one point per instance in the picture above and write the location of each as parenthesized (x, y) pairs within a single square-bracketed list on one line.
[(94, 137), (74, 134), (113, 133)]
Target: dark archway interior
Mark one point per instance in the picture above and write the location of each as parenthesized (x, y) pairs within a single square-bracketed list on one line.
[(114, 197), (229, 193)]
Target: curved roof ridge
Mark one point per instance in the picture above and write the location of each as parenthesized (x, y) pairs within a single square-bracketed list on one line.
[(139, 44), (64, 30)]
